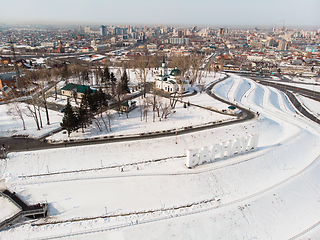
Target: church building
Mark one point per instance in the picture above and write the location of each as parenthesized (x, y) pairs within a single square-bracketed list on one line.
[(172, 82)]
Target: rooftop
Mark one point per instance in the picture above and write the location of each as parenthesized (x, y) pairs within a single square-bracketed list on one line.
[(78, 87), (175, 72), (7, 76)]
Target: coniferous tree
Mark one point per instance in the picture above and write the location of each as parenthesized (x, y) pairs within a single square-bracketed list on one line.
[(94, 101), (124, 83), (113, 80), (83, 117), (106, 75), (69, 120)]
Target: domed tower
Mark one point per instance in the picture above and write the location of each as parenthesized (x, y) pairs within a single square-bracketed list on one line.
[(163, 70), (175, 74)]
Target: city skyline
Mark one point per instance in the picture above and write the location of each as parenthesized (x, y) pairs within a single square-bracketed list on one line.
[(230, 13)]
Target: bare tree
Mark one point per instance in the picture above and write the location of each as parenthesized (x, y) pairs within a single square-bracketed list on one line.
[(110, 117), (98, 73), (33, 112), (158, 107), (216, 69), (166, 110), (39, 114), (97, 122), (85, 75), (144, 108), (55, 80), (141, 70), (16, 110), (196, 72), (33, 108), (43, 92), (183, 63), (174, 99)]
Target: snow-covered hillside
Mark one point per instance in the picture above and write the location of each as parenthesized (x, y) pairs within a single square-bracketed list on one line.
[(142, 189)]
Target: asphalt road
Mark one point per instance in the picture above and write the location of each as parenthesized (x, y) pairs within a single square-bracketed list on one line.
[(289, 90)]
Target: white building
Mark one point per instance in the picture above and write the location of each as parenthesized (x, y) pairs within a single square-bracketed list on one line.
[(172, 82)]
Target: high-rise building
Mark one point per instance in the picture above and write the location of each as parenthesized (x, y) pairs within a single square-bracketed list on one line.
[(179, 41), (87, 30), (120, 31), (283, 45), (221, 32), (103, 31), (179, 33), (142, 36)]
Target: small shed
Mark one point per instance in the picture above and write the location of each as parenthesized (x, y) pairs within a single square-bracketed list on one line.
[(128, 105)]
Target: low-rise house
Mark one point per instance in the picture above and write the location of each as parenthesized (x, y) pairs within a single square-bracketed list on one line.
[(8, 79), (6, 91), (71, 90)]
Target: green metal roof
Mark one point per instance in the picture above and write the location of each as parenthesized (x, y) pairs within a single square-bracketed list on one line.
[(175, 72), (79, 88)]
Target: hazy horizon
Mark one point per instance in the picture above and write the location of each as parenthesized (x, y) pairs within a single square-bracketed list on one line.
[(227, 13)]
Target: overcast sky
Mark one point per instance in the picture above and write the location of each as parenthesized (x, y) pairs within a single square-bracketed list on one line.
[(166, 12)]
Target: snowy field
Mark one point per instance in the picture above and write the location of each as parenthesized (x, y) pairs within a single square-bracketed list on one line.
[(62, 100), (142, 189), (13, 126), (135, 125)]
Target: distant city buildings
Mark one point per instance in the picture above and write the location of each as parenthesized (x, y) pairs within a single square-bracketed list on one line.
[(103, 31), (256, 49)]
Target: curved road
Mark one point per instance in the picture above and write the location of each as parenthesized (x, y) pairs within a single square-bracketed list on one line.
[(22, 144)]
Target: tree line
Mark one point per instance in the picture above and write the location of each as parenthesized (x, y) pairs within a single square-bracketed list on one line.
[(93, 105)]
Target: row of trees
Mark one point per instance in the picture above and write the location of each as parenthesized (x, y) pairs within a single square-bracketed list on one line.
[(93, 105), (142, 65), (37, 83)]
